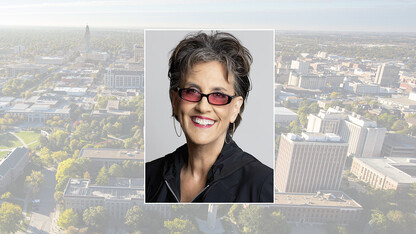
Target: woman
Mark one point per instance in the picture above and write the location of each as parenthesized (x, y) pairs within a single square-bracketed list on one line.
[(209, 85)]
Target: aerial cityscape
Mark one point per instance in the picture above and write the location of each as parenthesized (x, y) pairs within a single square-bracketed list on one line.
[(72, 147)]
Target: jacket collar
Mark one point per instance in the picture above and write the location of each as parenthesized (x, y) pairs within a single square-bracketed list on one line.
[(173, 166)]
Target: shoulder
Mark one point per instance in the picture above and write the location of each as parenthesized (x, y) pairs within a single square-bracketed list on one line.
[(254, 169), (171, 158)]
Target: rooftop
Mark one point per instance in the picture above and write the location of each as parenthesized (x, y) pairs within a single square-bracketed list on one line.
[(315, 137), (279, 110), (11, 160), (124, 189), (333, 199), (397, 140), (393, 168), (122, 154)]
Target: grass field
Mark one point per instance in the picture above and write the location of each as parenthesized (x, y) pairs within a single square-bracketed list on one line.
[(7, 141), (3, 154), (28, 136)]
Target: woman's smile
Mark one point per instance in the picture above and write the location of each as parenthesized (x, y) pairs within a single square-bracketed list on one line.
[(202, 122)]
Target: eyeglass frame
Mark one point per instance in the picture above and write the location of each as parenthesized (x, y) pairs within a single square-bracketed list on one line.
[(230, 98)]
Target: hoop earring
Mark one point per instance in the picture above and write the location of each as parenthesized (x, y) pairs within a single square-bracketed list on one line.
[(174, 126), (231, 135)]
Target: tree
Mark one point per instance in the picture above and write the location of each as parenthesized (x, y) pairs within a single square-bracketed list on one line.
[(74, 144), (58, 196), (61, 185), (251, 220), (400, 125), (66, 169), (116, 170), (135, 218), (68, 218), (294, 127), (86, 175), (102, 177), (10, 217), (43, 140), (412, 191), (45, 156), (74, 230), (234, 212), (278, 222), (95, 217), (34, 181), (59, 156), (180, 226), (379, 220), (6, 196), (335, 95)]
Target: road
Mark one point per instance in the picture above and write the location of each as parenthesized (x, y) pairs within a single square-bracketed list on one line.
[(42, 216)]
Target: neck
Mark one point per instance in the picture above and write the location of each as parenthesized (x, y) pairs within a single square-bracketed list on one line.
[(202, 157)]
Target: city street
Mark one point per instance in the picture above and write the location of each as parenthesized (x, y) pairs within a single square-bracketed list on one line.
[(43, 213)]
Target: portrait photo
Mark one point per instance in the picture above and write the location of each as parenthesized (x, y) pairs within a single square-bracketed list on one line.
[(209, 116)]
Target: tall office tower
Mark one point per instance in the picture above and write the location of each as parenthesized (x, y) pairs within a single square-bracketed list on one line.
[(311, 162), (87, 38), (326, 121), (301, 67), (138, 53), (365, 139), (124, 79), (387, 75)]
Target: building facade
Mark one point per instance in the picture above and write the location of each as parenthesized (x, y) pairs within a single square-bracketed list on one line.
[(12, 166), (397, 145), (311, 162), (124, 79), (386, 173), (117, 199), (387, 75), (318, 208)]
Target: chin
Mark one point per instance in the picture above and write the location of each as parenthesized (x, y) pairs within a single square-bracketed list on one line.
[(202, 140)]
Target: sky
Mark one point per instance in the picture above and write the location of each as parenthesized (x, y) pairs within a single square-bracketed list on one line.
[(311, 15)]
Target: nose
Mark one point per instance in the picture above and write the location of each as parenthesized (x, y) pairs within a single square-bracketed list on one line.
[(203, 105)]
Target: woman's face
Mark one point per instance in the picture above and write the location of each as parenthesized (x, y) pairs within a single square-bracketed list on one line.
[(202, 122)]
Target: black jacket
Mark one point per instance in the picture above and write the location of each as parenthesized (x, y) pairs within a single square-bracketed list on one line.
[(236, 176)]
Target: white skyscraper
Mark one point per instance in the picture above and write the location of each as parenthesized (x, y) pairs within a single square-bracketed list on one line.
[(310, 163)]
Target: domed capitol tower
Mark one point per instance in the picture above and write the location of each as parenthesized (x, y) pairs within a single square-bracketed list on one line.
[(87, 38)]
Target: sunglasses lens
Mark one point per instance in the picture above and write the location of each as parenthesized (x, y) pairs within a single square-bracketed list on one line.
[(191, 95), (218, 98)]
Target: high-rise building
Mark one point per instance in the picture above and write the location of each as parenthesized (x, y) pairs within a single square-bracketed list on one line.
[(138, 53), (387, 75), (87, 38), (300, 66), (124, 79), (364, 138), (311, 162), (306, 81), (326, 121)]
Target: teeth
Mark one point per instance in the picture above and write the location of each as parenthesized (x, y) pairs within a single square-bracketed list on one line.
[(202, 121)]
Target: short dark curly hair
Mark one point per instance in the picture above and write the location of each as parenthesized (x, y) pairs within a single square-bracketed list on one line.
[(218, 46)]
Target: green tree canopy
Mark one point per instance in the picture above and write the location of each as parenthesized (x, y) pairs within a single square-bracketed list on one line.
[(102, 177), (116, 170), (68, 218), (10, 217), (180, 226), (34, 181), (95, 217)]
